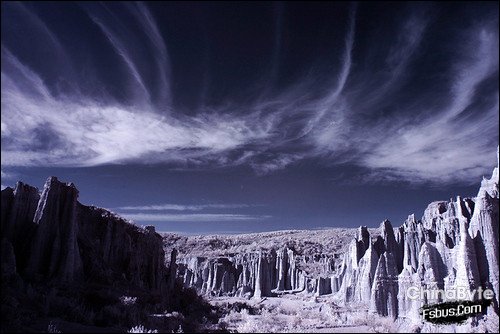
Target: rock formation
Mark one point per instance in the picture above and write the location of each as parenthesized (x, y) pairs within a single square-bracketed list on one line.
[(483, 228), (17, 226), (88, 267), (51, 237), (260, 274), (455, 244), (367, 267), (385, 287), (54, 250), (56, 239)]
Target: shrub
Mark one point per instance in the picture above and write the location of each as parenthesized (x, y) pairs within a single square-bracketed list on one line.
[(141, 329), (52, 328), (127, 300)]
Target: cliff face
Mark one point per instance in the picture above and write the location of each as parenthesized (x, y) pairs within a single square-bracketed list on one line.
[(54, 250), (88, 267), (261, 264), (115, 250), (483, 229), (455, 244), (54, 238), (17, 226), (255, 274)]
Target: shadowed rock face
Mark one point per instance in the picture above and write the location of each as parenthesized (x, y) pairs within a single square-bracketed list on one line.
[(367, 267), (18, 209), (385, 287), (390, 243), (113, 249), (87, 266), (54, 250), (483, 229), (56, 239)]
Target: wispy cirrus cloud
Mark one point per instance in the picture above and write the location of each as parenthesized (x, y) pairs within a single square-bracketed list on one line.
[(454, 134), (193, 217), (183, 207), (385, 118), (39, 129), (161, 213)]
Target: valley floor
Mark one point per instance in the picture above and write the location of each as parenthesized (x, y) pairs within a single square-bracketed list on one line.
[(295, 313), (303, 313)]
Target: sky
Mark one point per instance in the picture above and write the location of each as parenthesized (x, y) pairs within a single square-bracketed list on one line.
[(201, 117)]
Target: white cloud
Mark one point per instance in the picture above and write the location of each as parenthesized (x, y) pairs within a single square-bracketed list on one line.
[(124, 54), (304, 121), (86, 133), (441, 147), (275, 163), (198, 217), (183, 207), (162, 59), (444, 147)]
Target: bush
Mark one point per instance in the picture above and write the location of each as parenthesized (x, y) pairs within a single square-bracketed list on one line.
[(141, 329), (52, 328)]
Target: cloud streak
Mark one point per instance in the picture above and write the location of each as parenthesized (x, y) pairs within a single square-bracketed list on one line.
[(194, 217), (426, 149), (378, 118), (183, 207), (86, 133)]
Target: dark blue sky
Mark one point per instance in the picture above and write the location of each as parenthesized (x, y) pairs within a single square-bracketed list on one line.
[(242, 117)]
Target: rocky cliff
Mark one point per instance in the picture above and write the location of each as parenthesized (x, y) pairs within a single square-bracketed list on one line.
[(50, 238), (261, 264), (57, 239), (256, 274), (454, 244), (85, 265)]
